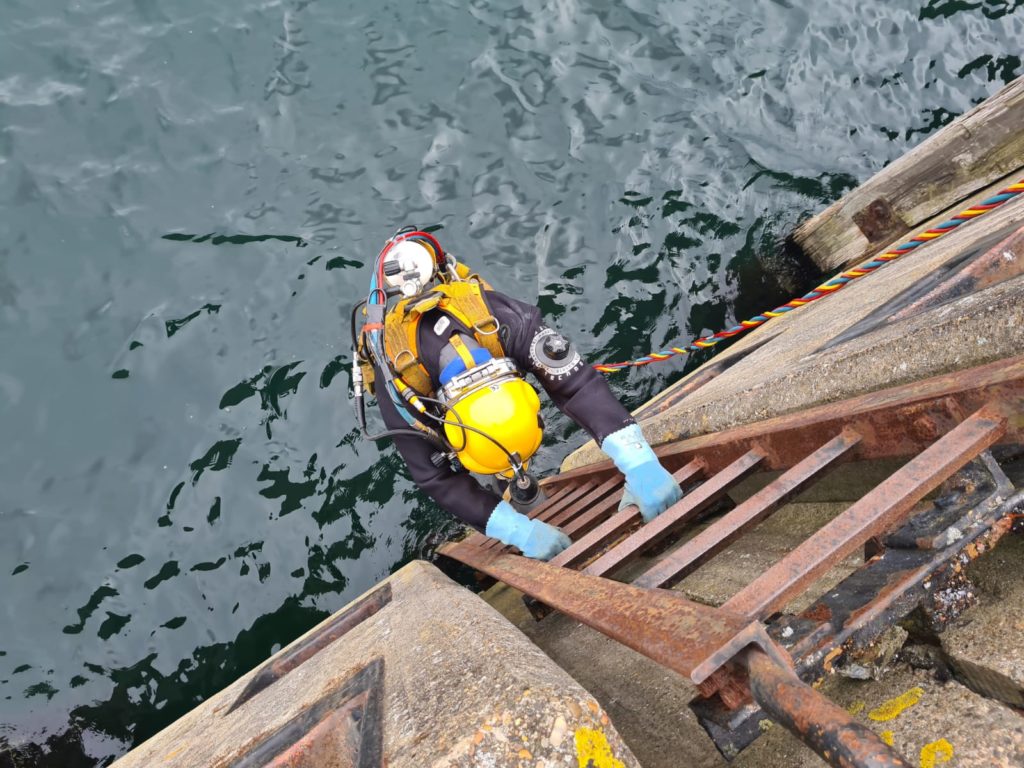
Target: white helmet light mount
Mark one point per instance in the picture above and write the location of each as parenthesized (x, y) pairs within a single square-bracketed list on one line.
[(408, 266)]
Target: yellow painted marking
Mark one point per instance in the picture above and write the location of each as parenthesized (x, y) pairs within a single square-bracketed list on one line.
[(856, 708), (887, 737), (892, 709), (940, 751), (593, 750)]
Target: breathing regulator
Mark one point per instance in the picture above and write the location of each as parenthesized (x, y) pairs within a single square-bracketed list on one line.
[(483, 416)]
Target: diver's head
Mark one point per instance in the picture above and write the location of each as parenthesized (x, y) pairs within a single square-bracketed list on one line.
[(410, 265)]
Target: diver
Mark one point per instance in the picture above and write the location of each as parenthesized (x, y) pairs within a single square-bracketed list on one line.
[(446, 362)]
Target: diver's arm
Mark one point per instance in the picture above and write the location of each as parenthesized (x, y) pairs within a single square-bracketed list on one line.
[(463, 496), (457, 492), (583, 394), (573, 385)]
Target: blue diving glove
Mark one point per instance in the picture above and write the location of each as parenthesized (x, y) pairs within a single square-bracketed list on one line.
[(648, 484), (534, 538)]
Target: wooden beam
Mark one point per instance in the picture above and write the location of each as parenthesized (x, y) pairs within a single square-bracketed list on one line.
[(976, 150)]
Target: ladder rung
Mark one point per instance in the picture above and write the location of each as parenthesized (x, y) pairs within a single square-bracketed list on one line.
[(709, 542), (568, 513), (616, 525), (680, 513)]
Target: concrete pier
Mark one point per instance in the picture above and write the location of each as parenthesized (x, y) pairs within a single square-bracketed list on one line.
[(417, 672), (915, 318)]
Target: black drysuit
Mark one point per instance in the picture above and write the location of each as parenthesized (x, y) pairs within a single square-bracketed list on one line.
[(581, 393)]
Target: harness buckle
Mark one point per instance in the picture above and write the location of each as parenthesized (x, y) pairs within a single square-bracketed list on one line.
[(487, 320)]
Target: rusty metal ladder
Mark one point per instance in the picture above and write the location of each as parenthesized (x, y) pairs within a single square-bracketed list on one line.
[(747, 657)]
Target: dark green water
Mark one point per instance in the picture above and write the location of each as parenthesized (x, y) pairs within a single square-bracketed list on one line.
[(190, 193)]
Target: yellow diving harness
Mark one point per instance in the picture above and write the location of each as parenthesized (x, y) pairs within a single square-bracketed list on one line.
[(484, 416)]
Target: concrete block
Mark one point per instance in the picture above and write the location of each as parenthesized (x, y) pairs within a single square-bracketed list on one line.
[(431, 677), (984, 647), (647, 702)]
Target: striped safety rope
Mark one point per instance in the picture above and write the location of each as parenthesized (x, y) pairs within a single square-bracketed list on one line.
[(828, 287)]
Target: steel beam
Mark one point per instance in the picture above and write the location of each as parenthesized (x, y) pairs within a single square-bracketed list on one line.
[(827, 729), (877, 512), (896, 422), (687, 637)]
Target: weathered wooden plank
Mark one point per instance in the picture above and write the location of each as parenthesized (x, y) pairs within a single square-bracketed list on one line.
[(974, 151)]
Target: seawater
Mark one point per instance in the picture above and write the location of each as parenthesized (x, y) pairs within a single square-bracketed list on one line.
[(191, 194)]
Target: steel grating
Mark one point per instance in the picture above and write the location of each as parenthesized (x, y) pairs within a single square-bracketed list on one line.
[(736, 653)]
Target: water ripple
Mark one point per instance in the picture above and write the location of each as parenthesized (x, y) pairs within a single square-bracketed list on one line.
[(192, 192)]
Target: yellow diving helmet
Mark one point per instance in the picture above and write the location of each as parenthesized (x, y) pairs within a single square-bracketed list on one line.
[(490, 395)]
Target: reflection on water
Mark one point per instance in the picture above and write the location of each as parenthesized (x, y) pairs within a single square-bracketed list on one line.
[(191, 193)]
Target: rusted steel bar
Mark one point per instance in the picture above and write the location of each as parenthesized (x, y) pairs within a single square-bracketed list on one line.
[(687, 637), (587, 546), (567, 501), (676, 516), (584, 520), (709, 542), (900, 421), (607, 487), (555, 500), (826, 728), (555, 496), (479, 540), (615, 526), (877, 512)]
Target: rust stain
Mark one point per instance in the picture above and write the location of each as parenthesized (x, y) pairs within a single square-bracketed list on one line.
[(831, 657), (170, 755), (819, 612)]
